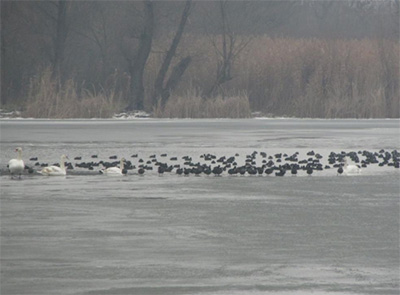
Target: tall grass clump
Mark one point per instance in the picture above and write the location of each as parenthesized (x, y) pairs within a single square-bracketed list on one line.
[(326, 78), (322, 78), (48, 98), (193, 105)]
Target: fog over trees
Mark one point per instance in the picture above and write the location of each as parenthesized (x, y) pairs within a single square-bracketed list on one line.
[(328, 59)]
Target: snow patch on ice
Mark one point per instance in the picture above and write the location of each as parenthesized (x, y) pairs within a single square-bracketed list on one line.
[(132, 115)]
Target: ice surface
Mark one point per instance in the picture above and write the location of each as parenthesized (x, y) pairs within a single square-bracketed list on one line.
[(151, 234)]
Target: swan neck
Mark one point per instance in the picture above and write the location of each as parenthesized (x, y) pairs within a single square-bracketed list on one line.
[(121, 165), (62, 164), (19, 157)]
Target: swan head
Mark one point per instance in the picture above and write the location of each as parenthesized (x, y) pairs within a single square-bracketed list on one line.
[(64, 157), (18, 149)]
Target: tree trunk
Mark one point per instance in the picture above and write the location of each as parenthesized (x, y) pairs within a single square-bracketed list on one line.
[(159, 90), (136, 68), (227, 54), (59, 39), (175, 77)]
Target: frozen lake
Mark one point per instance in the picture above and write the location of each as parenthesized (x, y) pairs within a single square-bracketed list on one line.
[(87, 233)]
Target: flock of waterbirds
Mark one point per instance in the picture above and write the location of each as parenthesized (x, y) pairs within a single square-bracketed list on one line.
[(256, 163)]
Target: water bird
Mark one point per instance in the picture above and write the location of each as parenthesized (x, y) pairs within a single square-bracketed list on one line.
[(269, 171), (251, 170), (33, 159), (309, 170), (207, 170), (260, 170), (217, 170), (294, 170), (350, 168), (114, 170), (161, 169), (16, 166), (242, 170), (340, 170), (232, 171), (55, 170), (30, 169), (281, 172)]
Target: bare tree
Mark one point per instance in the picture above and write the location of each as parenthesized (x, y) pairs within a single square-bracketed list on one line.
[(56, 13), (231, 39), (97, 30), (60, 37), (137, 63), (163, 91), (396, 19), (227, 49)]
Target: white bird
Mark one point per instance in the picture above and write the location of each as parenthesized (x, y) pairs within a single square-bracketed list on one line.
[(350, 169), (55, 170), (16, 166), (114, 170)]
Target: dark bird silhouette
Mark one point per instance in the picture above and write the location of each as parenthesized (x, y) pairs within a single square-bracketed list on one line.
[(309, 170), (217, 170), (340, 170), (294, 170)]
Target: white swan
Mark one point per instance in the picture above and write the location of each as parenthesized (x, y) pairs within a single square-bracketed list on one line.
[(55, 170), (16, 166), (114, 170), (350, 169)]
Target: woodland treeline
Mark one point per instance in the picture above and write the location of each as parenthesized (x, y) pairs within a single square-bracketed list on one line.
[(327, 59)]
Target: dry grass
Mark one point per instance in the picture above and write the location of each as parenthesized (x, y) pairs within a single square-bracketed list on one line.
[(279, 76), (305, 77), (48, 99), (193, 105), (328, 79)]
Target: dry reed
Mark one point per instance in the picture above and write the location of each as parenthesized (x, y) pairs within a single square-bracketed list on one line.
[(305, 77), (193, 105), (47, 98), (279, 76)]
